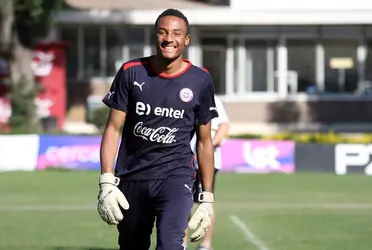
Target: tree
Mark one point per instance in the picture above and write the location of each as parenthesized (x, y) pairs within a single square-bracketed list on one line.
[(22, 24)]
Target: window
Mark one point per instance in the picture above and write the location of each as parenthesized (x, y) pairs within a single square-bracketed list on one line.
[(70, 35), (134, 35), (368, 63), (214, 61), (214, 58), (103, 48), (256, 65), (92, 60), (123, 43), (341, 73), (301, 60), (115, 54), (135, 52)]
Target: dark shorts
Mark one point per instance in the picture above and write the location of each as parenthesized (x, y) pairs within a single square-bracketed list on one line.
[(168, 200), (198, 185)]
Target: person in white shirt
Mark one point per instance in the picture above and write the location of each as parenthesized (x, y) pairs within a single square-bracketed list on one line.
[(220, 127)]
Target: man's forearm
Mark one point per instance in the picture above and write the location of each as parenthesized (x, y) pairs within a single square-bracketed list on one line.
[(205, 154), (109, 146)]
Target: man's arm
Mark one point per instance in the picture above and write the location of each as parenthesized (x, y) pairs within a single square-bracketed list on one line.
[(117, 100), (110, 140), (205, 153), (110, 198), (205, 156)]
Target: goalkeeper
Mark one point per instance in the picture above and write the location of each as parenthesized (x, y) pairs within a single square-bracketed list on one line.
[(162, 100)]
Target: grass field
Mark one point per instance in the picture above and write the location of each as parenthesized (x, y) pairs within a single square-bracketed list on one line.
[(56, 210)]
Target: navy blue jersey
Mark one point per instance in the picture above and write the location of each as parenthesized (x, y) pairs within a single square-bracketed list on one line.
[(161, 114)]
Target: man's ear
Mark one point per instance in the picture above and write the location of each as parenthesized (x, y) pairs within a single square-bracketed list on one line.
[(187, 40)]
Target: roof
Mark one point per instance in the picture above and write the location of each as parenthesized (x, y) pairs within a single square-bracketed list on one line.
[(242, 12), (136, 4), (220, 16)]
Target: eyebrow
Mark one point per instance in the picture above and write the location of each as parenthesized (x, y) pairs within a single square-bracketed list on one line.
[(172, 30)]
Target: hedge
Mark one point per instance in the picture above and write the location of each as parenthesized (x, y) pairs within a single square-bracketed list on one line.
[(322, 138)]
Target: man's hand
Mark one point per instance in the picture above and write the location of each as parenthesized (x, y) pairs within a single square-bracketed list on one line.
[(202, 216), (109, 199)]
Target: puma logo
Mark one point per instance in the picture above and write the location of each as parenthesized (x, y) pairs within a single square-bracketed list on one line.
[(190, 189), (110, 94), (138, 85)]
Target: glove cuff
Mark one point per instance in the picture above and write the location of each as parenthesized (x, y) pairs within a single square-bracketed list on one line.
[(108, 178), (207, 197)]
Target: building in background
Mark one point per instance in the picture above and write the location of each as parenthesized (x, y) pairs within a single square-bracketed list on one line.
[(303, 65)]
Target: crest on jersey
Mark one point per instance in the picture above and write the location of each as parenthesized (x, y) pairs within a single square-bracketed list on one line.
[(186, 94)]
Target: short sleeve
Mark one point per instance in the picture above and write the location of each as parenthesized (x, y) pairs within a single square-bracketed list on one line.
[(117, 97), (207, 109)]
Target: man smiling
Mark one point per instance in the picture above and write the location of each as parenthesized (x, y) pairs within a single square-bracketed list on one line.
[(162, 101)]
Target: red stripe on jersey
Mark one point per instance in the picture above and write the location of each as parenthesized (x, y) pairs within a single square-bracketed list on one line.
[(193, 164), (205, 70), (192, 161), (133, 64), (168, 75)]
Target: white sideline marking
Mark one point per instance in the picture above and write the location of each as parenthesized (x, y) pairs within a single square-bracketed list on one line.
[(51, 207), (248, 234), (221, 205), (287, 206)]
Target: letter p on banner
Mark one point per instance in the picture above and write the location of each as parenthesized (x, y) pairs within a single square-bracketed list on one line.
[(347, 155)]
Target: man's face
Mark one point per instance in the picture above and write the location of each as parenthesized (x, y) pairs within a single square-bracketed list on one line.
[(171, 37)]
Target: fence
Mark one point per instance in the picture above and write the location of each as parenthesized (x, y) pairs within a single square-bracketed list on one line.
[(34, 152)]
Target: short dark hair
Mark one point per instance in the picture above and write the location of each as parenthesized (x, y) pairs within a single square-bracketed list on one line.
[(176, 13)]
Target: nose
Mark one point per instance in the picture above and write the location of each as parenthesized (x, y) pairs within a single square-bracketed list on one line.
[(168, 38)]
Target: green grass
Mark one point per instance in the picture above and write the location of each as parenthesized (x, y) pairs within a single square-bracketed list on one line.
[(285, 212)]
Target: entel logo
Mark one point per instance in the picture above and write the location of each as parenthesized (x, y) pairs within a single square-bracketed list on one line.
[(145, 109)]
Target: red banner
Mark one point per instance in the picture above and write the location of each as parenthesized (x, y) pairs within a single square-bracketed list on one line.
[(48, 67)]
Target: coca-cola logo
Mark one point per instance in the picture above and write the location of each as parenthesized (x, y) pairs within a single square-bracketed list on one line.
[(162, 134)]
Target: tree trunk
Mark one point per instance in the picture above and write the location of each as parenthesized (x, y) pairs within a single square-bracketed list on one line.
[(21, 74), (19, 59), (6, 24)]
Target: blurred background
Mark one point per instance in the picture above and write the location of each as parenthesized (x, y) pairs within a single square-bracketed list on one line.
[(295, 79), (277, 65)]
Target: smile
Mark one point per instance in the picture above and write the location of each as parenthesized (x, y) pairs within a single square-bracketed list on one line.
[(169, 48)]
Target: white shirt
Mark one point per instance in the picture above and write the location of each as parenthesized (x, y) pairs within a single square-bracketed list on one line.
[(215, 123)]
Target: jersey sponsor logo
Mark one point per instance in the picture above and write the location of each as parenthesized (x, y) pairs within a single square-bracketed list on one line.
[(161, 134), (146, 109), (186, 94)]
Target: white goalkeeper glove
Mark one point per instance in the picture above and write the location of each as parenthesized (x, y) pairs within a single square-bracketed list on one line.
[(110, 198), (202, 216)]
